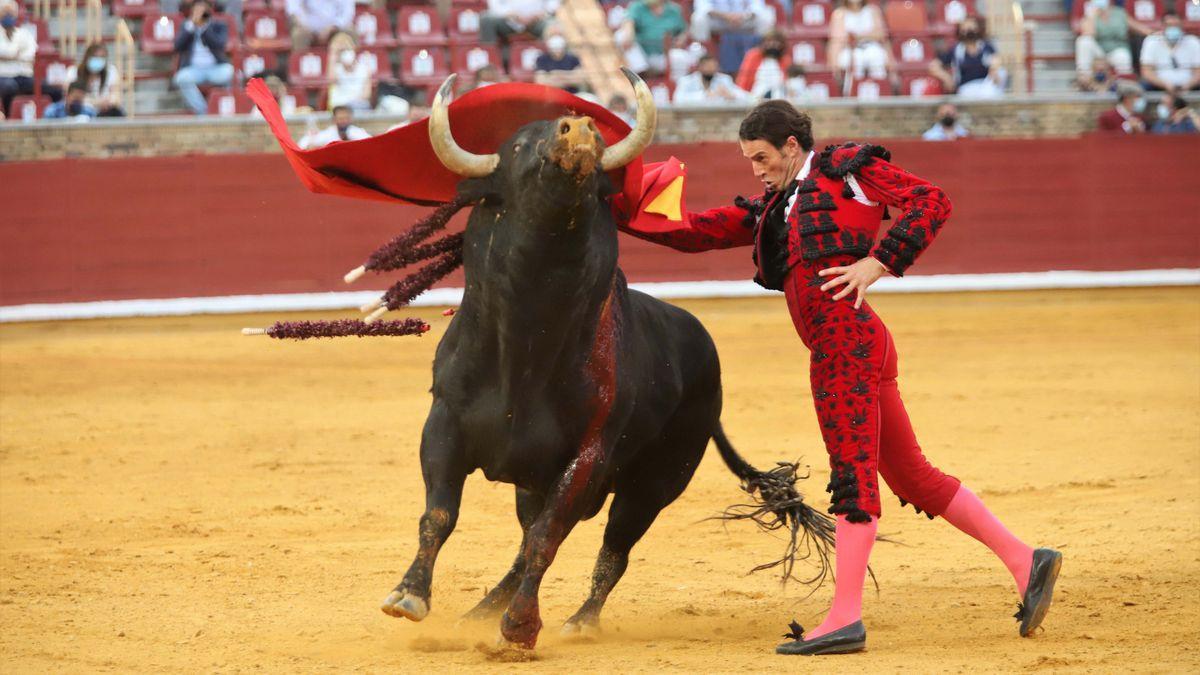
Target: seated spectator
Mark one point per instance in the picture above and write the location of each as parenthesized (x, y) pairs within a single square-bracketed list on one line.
[(762, 71), (737, 24), (1126, 118), (1104, 33), (795, 87), (971, 68), (288, 105), (619, 105), (858, 41), (946, 127), (100, 79), (506, 18), (349, 78), (1170, 58), (1175, 116), (557, 67), (202, 57), (1100, 79), (73, 106), (483, 77), (343, 129), (706, 86), (314, 22), (231, 7), (644, 33), (17, 49)]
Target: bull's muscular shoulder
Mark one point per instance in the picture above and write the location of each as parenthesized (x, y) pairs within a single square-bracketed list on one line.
[(836, 161)]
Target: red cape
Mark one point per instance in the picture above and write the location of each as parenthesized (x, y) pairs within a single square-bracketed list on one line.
[(400, 165)]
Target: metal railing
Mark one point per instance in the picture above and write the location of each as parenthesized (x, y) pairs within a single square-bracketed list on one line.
[(124, 54)]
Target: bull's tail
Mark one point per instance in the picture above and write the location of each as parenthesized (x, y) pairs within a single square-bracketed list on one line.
[(776, 504)]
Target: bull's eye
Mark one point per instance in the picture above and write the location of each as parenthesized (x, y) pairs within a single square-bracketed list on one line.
[(516, 147), (565, 128)]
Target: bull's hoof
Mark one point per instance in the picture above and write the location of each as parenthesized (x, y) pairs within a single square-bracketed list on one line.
[(523, 634), (405, 605), (581, 628)]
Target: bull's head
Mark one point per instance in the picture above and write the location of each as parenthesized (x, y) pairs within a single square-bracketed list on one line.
[(571, 144)]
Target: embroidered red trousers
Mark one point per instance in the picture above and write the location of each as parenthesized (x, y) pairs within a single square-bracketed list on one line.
[(863, 421)]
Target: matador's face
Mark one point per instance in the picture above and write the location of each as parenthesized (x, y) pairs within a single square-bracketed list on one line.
[(775, 167)]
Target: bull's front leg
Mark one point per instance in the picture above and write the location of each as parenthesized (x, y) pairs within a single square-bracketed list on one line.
[(576, 488), (444, 471)]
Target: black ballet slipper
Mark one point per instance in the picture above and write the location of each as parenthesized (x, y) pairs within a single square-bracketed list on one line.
[(1040, 591), (846, 640)]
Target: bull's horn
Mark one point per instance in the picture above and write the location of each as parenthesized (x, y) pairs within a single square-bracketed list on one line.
[(630, 147), (453, 157)]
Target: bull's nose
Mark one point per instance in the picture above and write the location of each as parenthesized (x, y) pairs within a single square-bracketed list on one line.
[(577, 145), (577, 131)]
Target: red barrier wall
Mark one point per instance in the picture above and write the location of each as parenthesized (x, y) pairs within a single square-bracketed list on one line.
[(76, 230)]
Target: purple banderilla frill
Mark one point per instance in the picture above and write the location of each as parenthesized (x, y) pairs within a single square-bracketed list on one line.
[(404, 250)]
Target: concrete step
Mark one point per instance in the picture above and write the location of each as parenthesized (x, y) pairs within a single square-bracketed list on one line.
[(1042, 7), (1053, 77), (1053, 39)]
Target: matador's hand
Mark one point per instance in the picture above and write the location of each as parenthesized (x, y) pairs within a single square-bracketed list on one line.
[(857, 277)]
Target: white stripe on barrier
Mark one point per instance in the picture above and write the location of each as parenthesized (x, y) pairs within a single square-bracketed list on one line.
[(299, 302)]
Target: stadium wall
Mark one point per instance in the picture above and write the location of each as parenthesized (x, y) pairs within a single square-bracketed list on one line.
[(1013, 117), (79, 230)]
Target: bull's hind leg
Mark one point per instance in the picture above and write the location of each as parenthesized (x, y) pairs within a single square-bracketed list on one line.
[(444, 471), (628, 519), (529, 505)]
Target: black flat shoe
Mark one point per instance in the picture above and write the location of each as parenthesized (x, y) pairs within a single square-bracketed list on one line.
[(847, 640), (1040, 591)]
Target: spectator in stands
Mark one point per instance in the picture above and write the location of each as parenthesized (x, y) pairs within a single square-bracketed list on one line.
[(349, 77), (1126, 117), (202, 58), (947, 126), (971, 68), (1175, 116), (484, 76), (557, 67), (644, 34), (1170, 58), (707, 86), (17, 48), (73, 106), (100, 79), (1104, 33), (343, 129), (619, 105), (1102, 77), (231, 7), (506, 18), (314, 22), (796, 86), (858, 41), (737, 24), (763, 71)]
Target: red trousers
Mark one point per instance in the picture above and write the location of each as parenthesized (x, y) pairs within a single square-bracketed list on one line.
[(863, 421)]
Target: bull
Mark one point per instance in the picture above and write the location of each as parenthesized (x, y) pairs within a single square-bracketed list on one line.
[(556, 377)]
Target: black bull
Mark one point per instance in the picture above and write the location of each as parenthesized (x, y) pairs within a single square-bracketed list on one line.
[(556, 377)]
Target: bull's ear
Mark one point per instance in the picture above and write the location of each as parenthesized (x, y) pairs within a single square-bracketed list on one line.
[(477, 190)]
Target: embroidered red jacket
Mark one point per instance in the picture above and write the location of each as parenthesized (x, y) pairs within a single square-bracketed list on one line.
[(838, 208)]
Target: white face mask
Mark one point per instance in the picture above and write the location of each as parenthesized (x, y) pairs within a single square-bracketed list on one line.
[(1100, 4), (347, 58), (1163, 111), (1139, 105)]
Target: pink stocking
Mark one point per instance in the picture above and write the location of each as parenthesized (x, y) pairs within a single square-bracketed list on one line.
[(854, 542), (967, 513)]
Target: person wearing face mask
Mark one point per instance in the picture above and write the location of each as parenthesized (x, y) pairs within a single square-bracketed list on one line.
[(857, 39), (343, 129), (763, 71), (946, 127), (73, 106), (814, 232), (971, 68), (200, 45), (1104, 33), (101, 80), (707, 86), (557, 67), (1171, 58), (1126, 117), (1175, 116), (17, 49), (349, 77)]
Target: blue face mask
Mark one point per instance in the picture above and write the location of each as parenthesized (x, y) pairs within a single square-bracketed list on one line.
[(95, 64), (8, 21), (1173, 33)]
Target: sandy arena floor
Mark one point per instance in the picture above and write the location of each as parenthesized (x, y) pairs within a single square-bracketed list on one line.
[(175, 497)]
